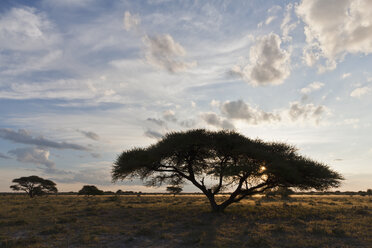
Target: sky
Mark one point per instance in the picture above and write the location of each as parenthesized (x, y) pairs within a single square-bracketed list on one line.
[(83, 80)]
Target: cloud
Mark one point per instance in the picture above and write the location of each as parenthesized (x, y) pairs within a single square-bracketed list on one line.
[(23, 29), (187, 123), (97, 176), (4, 156), (334, 28), (153, 134), (68, 3), (130, 21), (163, 52), (240, 110), (14, 65), (156, 128), (70, 89), (214, 120), (269, 64), (35, 155), (345, 75), (95, 155), (214, 103), (89, 134), (24, 137), (312, 87), (169, 115), (270, 19), (274, 9), (359, 92), (156, 121), (286, 26), (308, 111)]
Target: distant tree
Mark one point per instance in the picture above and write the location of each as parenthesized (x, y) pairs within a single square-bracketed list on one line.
[(221, 161), (90, 190), (119, 192), (34, 185), (369, 192), (283, 192), (174, 189), (362, 193)]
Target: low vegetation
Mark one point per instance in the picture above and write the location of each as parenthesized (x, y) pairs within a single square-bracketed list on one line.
[(184, 221)]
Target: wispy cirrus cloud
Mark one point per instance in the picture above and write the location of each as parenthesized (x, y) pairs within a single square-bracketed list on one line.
[(89, 134), (23, 136), (130, 21), (165, 53), (287, 26), (4, 156), (153, 134), (26, 29), (158, 122)]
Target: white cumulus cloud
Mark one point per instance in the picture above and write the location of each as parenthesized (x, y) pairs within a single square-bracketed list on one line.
[(334, 28), (35, 155), (269, 63), (298, 111), (241, 110), (359, 92), (217, 121)]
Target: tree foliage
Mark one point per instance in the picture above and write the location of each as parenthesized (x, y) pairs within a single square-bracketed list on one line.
[(283, 192), (34, 185), (223, 161), (90, 190), (174, 189)]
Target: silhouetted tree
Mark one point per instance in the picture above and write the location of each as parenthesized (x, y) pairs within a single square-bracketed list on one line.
[(90, 190), (369, 192), (283, 192), (34, 185), (174, 189), (224, 160)]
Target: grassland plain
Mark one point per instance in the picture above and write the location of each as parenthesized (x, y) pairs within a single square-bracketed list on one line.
[(184, 221)]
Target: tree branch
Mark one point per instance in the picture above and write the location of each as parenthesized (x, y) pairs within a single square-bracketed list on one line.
[(222, 167)]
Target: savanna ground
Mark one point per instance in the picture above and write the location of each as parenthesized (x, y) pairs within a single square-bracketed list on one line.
[(184, 221)]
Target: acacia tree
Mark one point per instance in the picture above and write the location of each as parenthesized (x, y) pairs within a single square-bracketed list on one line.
[(223, 161), (174, 189), (34, 185), (90, 190)]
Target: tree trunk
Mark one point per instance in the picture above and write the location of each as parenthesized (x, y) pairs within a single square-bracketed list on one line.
[(214, 206)]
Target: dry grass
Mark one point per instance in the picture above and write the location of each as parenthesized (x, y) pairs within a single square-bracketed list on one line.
[(183, 221)]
